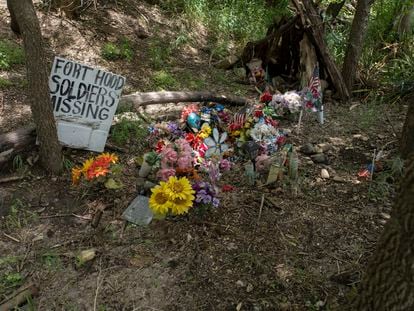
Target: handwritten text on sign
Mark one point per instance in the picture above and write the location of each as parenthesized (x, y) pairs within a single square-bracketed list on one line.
[(84, 102)]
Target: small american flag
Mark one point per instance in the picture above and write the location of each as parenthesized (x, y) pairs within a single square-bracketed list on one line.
[(315, 83), (239, 118)]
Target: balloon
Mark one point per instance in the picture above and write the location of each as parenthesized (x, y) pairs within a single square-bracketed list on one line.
[(194, 120)]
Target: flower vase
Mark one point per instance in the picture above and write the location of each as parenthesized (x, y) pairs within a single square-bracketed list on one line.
[(145, 169)]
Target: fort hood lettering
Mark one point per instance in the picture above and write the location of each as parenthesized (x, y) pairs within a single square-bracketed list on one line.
[(84, 103)]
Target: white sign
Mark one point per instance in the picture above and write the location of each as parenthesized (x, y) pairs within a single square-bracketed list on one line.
[(84, 103)]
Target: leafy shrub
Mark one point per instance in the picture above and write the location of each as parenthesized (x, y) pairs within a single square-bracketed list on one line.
[(127, 130), (164, 80), (10, 54), (116, 51)]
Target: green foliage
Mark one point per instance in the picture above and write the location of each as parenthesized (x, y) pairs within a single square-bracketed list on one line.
[(159, 54), (163, 80), (127, 130), (5, 83), (51, 260), (238, 20), (18, 216), (12, 279), (120, 50), (400, 72), (10, 54)]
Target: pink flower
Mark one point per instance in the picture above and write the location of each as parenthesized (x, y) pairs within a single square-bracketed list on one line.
[(185, 162), (225, 165), (169, 155), (262, 162), (165, 173)]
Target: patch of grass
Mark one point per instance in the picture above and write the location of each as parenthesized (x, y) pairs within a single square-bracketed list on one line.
[(5, 83), (10, 54), (163, 80), (120, 50), (190, 81), (8, 260), (159, 54), (127, 130), (11, 279), (51, 260), (18, 216)]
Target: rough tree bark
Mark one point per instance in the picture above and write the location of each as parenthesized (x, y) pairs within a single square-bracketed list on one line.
[(389, 281), (407, 137), (13, 22), (38, 89), (355, 42)]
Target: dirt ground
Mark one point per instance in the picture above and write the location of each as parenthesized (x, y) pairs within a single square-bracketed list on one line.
[(304, 252)]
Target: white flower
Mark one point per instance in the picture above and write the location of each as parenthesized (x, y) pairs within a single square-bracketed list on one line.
[(216, 145), (262, 131)]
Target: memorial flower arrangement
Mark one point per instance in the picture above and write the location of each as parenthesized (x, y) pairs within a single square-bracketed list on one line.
[(100, 169)]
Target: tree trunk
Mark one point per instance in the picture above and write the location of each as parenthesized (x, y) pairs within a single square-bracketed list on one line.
[(407, 137), (13, 22), (38, 89), (389, 281), (355, 42)]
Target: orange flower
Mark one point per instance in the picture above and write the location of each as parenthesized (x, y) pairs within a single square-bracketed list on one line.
[(108, 157), (76, 175), (96, 170)]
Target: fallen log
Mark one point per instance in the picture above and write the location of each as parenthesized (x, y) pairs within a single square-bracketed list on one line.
[(144, 99)]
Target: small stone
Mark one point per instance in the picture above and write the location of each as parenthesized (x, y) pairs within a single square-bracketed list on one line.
[(325, 147), (324, 173), (338, 179), (319, 158), (385, 216), (318, 179), (249, 288), (307, 149), (240, 283)]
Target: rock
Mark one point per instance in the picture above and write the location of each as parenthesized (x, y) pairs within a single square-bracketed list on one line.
[(319, 158), (249, 288), (325, 147), (307, 149), (338, 179), (324, 173), (240, 283), (385, 216), (227, 62)]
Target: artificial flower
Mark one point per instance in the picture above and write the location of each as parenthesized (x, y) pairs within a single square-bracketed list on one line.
[(168, 156), (185, 162), (179, 188), (215, 144), (165, 173), (205, 194), (159, 200), (225, 165), (109, 157), (228, 188), (187, 110), (86, 165), (160, 146), (181, 206), (205, 131), (265, 97), (76, 175)]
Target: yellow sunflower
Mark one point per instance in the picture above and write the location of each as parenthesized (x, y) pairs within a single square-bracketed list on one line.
[(179, 188), (181, 206), (76, 175), (158, 201), (205, 131)]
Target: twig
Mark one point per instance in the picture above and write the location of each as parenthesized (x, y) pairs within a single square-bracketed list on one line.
[(11, 238), (55, 216), (64, 244), (98, 285), (392, 125), (18, 297), (261, 208), (9, 179)]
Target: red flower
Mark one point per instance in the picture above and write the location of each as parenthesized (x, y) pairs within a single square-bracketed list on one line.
[(228, 188), (265, 97), (281, 140), (160, 145), (258, 113), (309, 104), (272, 122)]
